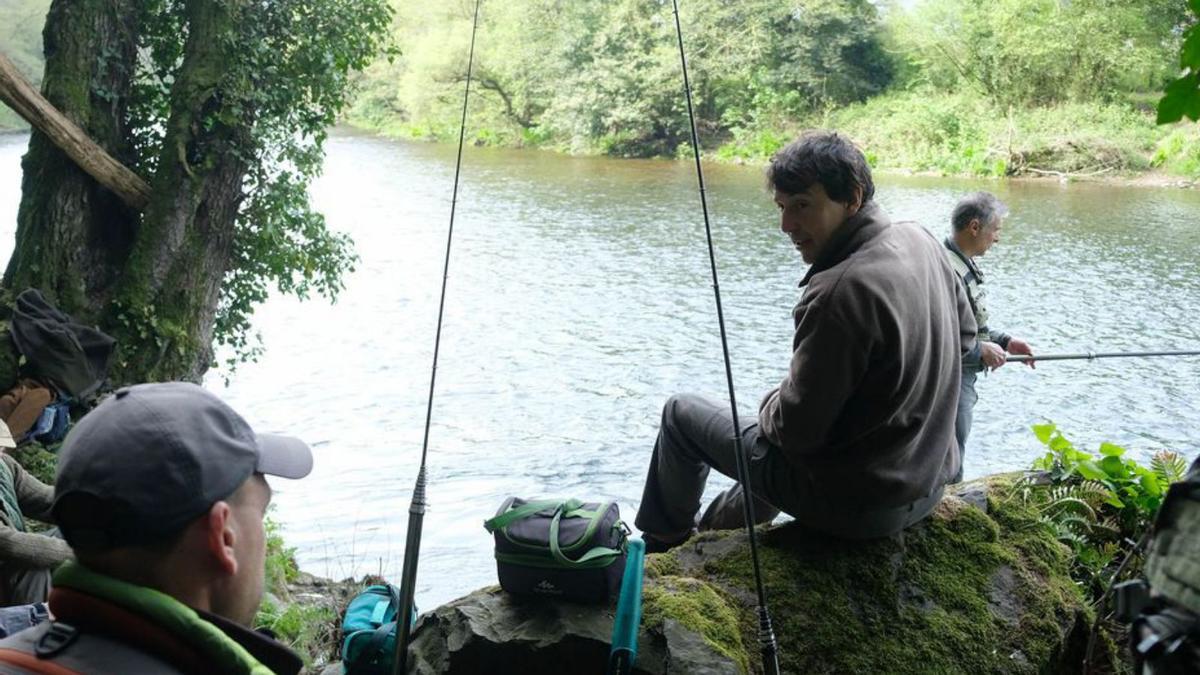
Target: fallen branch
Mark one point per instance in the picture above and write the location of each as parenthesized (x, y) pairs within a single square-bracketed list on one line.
[(19, 95), (1067, 174)]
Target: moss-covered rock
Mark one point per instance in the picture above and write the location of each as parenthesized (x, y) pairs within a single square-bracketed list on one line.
[(975, 588), (980, 587)]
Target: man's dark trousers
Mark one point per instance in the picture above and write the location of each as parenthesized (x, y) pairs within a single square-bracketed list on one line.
[(696, 435)]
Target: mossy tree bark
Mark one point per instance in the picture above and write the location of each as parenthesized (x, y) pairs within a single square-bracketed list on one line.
[(152, 280), (73, 235), (172, 277)]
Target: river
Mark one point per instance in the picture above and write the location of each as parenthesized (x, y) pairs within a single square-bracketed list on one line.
[(579, 299)]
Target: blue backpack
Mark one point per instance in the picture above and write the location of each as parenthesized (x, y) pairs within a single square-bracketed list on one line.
[(369, 630)]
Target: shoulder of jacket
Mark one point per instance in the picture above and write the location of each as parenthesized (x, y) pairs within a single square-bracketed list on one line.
[(85, 653)]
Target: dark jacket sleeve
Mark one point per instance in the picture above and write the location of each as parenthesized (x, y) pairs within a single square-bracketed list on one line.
[(967, 328), (827, 364)]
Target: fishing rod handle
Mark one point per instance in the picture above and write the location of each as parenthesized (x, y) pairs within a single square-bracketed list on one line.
[(767, 643)]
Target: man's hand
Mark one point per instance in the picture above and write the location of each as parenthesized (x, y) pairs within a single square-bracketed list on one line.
[(1019, 346), (992, 355)]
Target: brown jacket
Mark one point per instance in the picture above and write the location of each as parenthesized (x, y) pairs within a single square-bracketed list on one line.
[(867, 408)]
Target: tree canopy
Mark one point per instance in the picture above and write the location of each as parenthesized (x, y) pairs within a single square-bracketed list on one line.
[(223, 106), (603, 76)]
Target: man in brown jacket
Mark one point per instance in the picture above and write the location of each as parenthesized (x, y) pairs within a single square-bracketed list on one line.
[(858, 439)]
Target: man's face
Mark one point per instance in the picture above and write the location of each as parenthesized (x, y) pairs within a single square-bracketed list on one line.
[(243, 592), (809, 218), (986, 236)]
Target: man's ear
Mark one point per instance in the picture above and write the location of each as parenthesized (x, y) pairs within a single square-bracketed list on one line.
[(220, 537), (855, 203), (975, 226)]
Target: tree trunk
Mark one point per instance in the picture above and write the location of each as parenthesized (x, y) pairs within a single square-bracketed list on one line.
[(152, 280), (183, 248), (74, 235)]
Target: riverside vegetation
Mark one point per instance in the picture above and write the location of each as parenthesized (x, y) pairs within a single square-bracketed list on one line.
[(957, 87), (1010, 87)]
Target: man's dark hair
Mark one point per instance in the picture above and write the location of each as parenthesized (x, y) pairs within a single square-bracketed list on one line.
[(824, 157), (981, 206)]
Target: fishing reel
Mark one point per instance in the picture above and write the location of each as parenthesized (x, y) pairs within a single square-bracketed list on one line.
[(1164, 638)]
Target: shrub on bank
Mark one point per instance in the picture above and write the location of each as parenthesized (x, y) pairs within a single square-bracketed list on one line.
[(963, 134), (1179, 151)]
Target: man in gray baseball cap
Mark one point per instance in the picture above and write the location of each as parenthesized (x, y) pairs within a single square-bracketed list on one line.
[(161, 494)]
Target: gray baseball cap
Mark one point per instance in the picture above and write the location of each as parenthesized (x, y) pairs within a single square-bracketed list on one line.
[(153, 457)]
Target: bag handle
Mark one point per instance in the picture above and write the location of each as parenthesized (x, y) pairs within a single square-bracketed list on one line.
[(522, 512), (373, 649), (581, 561)]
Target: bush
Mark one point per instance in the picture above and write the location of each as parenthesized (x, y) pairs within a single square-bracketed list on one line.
[(1100, 506), (1179, 152)]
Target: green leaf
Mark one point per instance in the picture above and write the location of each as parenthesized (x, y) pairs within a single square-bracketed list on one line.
[(1060, 444), (1114, 467), (1189, 54), (1113, 501), (1111, 450), (1195, 5), (1150, 484), (1045, 431), (1090, 470), (1181, 97)]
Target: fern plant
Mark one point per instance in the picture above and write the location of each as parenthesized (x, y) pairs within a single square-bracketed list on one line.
[(1098, 505)]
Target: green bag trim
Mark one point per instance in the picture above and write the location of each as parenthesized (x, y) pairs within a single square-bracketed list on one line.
[(521, 512), (597, 556), (593, 554), (568, 508), (601, 560)]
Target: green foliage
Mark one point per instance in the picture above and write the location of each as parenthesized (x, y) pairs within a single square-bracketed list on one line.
[(1181, 98), (961, 133), (1099, 505), (1179, 152), (281, 568), (949, 86), (40, 462), (1037, 52), (604, 77), (307, 629), (285, 80)]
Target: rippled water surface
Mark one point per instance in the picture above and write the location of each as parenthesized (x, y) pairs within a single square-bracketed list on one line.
[(579, 299)]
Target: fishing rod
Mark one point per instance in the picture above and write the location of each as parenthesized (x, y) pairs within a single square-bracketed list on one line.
[(416, 510), (766, 634), (1089, 356)]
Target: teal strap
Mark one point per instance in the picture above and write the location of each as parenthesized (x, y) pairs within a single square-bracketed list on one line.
[(380, 612)]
